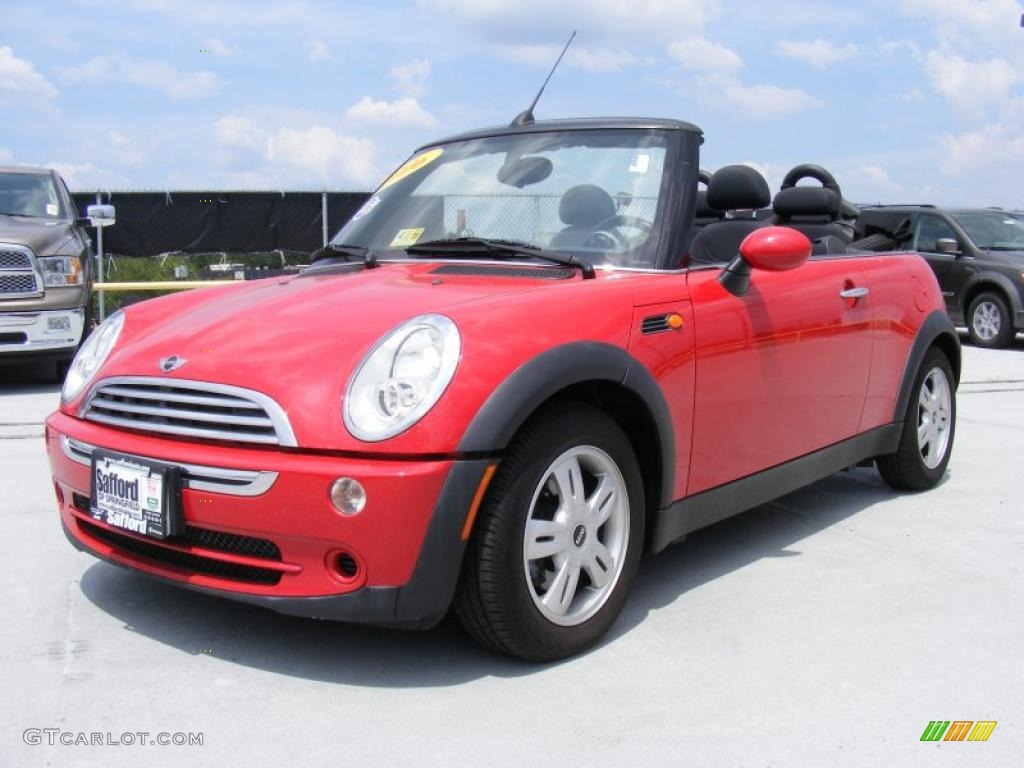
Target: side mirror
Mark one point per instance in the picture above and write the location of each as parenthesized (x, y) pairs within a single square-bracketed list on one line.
[(947, 245), (773, 249), (100, 215)]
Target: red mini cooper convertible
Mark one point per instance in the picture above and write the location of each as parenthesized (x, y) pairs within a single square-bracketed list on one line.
[(525, 361)]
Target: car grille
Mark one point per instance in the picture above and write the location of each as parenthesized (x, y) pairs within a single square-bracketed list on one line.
[(209, 566), (15, 284), (189, 409), (15, 260)]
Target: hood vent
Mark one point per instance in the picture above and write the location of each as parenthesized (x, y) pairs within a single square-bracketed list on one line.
[(655, 324), (489, 270)]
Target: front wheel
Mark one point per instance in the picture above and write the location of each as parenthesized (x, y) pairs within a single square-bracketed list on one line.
[(558, 540), (929, 424), (989, 321)]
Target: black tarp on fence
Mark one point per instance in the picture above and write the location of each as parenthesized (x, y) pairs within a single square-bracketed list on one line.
[(151, 223)]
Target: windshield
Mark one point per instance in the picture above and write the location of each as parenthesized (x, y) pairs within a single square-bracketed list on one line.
[(993, 230), (593, 194), (29, 194)]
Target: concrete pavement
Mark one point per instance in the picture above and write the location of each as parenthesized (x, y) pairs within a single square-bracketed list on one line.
[(825, 629)]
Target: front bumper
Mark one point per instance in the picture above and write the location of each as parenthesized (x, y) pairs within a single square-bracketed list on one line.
[(55, 331), (262, 530)]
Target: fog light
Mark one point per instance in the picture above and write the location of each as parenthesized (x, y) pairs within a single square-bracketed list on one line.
[(61, 323), (348, 496)]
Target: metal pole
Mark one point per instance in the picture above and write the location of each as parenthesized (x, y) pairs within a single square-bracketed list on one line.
[(323, 214), (99, 258)]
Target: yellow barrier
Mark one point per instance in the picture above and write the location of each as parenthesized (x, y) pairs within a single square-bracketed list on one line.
[(176, 285)]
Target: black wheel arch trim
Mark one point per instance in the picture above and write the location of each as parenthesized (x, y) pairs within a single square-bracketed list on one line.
[(540, 378), (997, 280), (937, 325)]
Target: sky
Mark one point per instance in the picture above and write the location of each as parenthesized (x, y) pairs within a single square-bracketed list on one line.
[(903, 100)]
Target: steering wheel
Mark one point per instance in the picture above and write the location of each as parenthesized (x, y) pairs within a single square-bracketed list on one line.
[(607, 237)]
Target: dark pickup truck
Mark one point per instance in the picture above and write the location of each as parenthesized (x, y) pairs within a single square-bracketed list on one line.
[(45, 267), (977, 255)]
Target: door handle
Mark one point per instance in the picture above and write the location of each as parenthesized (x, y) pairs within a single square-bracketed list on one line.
[(854, 293)]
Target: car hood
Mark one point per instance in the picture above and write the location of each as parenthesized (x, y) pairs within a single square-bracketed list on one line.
[(299, 339), (1015, 258), (43, 236)]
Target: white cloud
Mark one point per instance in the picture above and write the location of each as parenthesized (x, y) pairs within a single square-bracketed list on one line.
[(970, 85), (291, 156), (995, 148), (699, 55), (818, 53), (594, 60), (400, 112), (126, 150), (317, 50), (6, 155), (762, 100), (218, 47), (157, 75), (518, 21), (240, 132), (86, 176), (410, 78), (20, 80)]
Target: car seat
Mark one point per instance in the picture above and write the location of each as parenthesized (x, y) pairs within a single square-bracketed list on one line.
[(740, 190), (581, 209), (704, 214), (814, 211)]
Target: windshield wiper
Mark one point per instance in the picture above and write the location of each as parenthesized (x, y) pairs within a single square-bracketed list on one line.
[(20, 215), (467, 247), (336, 250)]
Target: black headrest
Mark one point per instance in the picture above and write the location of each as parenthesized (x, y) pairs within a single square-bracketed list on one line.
[(705, 211), (807, 201), (585, 205), (737, 187)]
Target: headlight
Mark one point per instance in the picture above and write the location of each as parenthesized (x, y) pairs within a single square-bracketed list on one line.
[(402, 377), (91, 356), (60, 270)]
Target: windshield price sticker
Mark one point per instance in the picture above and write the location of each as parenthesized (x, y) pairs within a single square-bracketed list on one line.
[(406, 237), (129, 496)]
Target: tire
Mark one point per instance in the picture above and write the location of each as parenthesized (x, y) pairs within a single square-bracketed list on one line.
[(989, 321), (924, 450), (508, 593)]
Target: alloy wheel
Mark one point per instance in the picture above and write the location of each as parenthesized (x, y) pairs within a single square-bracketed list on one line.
[(577, 534), (934, 407)]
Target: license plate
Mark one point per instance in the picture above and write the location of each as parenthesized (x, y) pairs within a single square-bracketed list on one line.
[(137, 495)]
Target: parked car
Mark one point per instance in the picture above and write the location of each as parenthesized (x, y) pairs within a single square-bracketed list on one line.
[(45, 269), (977, 255), (500, 385)]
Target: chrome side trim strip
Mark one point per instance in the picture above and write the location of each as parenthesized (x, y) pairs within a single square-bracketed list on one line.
[(233, 482)]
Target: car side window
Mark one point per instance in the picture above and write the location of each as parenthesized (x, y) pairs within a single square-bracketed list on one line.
[(931, 228)]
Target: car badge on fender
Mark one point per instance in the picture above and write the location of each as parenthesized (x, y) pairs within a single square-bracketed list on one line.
[(172, 363)]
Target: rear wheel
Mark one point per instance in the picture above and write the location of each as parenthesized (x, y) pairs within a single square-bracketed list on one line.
[(928, 428), (989, 321), (558, 540)]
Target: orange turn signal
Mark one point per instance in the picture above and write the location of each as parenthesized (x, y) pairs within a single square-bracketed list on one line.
[(674, 321), (478, 497)]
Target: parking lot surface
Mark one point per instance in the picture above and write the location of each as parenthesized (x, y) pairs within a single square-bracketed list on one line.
[(824, 629)]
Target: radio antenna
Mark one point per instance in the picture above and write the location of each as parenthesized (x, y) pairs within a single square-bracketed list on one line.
[(526, 116)]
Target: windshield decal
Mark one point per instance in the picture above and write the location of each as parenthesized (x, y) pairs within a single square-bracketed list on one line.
[(407, 237), (412, 165), (639, 162), (368, 206)]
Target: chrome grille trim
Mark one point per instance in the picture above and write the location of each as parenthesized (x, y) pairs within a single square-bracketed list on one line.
[(233, 482), (188, 408), (19, 276)]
